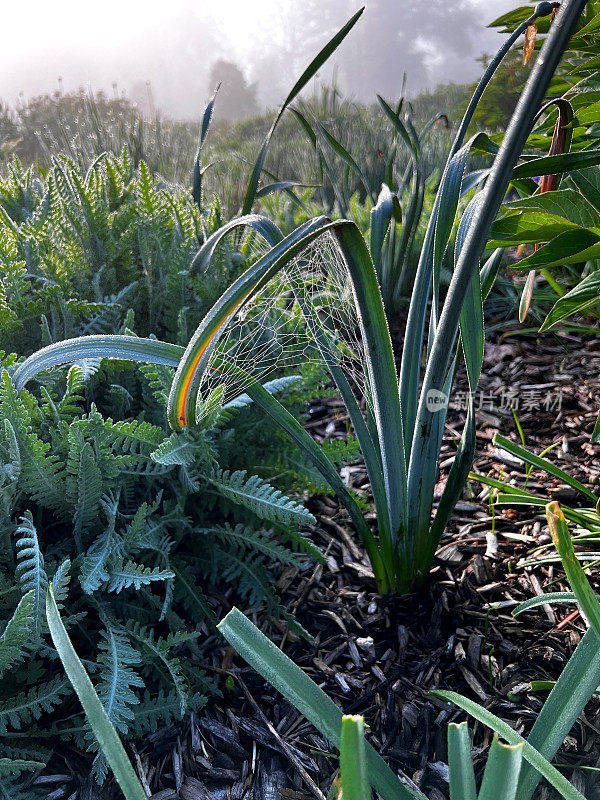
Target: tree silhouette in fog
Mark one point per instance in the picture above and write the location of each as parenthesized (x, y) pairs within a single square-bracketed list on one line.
[(236, 98)]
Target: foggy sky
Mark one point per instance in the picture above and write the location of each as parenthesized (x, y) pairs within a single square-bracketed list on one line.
[(164, 56)]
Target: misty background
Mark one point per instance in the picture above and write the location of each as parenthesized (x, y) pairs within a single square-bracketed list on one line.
[(170, 57)]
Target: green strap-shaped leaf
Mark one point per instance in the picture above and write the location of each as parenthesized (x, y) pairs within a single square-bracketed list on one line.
[(262, 225), (97, 718), (460, 763), (339, 149), (501, 776), (530, 754), (570, 247), (380, 368), (308, 73), (353, 760), (561, 537), (304, 694), (126, 348), (553, 165), (584, 295), (544, 464), (541, 600), (572, 691)]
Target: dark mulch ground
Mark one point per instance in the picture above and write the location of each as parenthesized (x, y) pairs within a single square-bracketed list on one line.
[(379, 657)]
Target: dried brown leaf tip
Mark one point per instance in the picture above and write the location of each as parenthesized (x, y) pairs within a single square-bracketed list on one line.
[(560, 141), (529, 44), (531, 33)]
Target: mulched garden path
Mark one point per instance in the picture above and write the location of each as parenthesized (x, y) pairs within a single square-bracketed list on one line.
[(379, 657)]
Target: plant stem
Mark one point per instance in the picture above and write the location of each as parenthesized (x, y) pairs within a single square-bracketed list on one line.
[(495, 189)]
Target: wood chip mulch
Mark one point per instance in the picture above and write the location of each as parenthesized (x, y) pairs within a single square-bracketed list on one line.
[(380, 657)]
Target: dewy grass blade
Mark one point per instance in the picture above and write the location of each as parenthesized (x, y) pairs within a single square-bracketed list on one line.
[(99, 722), (198, 170), (541, 600), (262, 225), (304, 694), (122, 348), (501, 776), (530, 754), (572, 691), (341, 151), (381, 370), (460, 763), (353, 760), (308, 73), (471, 315), (544, 464)]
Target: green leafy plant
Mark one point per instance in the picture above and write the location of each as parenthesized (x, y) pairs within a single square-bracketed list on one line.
[(148, 520), (558, 215), (144, 521), (287, 295)]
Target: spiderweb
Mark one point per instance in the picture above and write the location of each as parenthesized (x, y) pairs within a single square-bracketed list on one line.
[(269, 336), (234, 253)]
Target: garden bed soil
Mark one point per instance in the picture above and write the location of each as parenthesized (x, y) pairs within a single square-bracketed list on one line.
[(379, 656)]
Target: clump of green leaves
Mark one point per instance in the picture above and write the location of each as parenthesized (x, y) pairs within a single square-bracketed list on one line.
[(132, 524), (110, 512)]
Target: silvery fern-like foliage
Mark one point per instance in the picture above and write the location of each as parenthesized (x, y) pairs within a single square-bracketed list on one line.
[(20, 710), (128, 521), (119, 679), (12, 773), (16, 633), (31, 572), (261, 498)]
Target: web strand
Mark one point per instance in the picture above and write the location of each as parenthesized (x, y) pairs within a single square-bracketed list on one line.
[(269, 335)]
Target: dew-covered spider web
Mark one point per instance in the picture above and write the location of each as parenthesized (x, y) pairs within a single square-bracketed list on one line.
[(234, 253), (268, 336)]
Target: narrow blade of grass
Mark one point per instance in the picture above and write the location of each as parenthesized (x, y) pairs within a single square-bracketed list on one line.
[(542, 463), (460, 763), (353, 760), (530, 754), (501, 776), (304, 694), (576, 576), (103, 729), (308, 73)]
